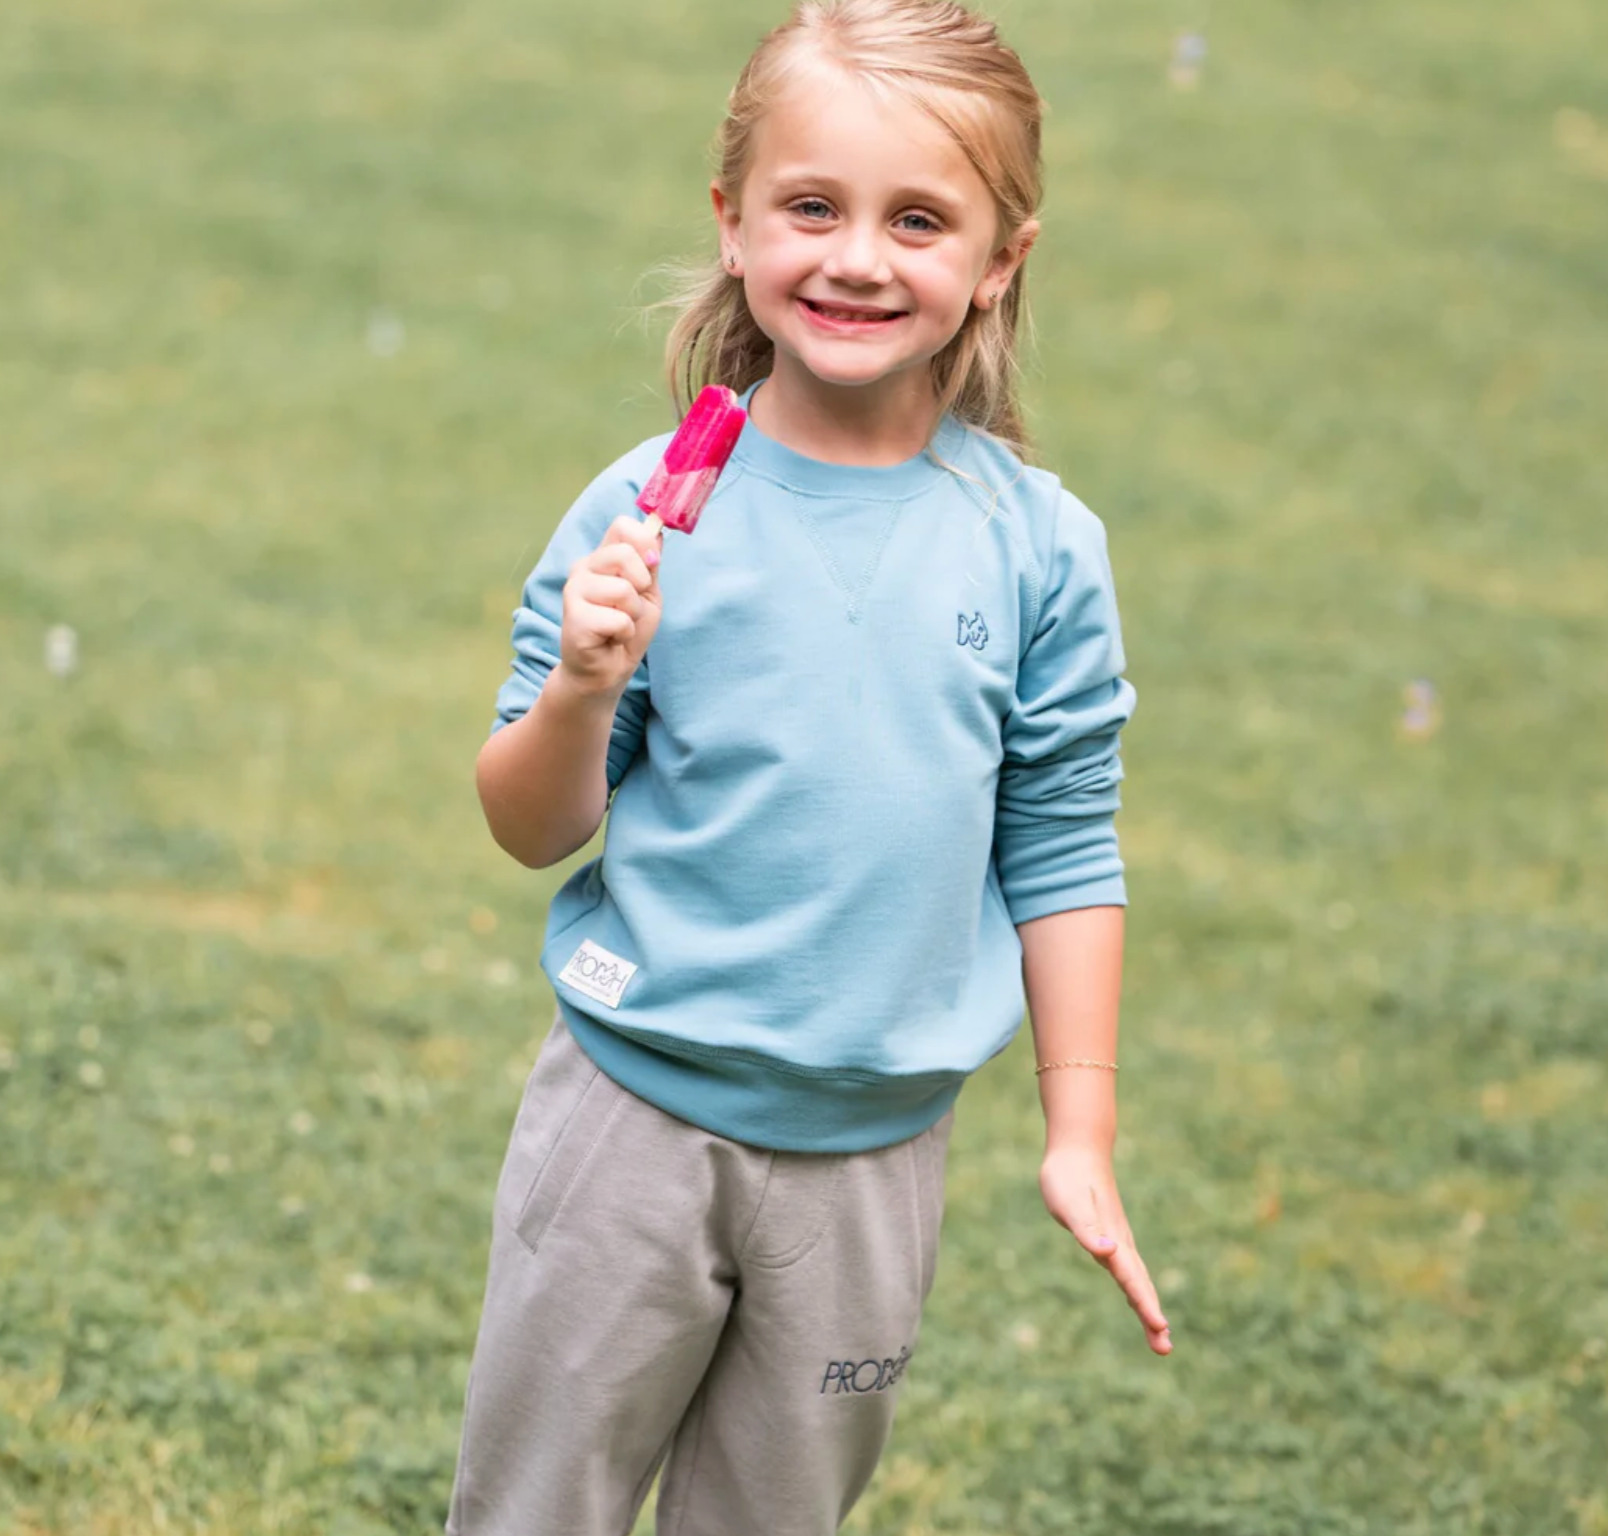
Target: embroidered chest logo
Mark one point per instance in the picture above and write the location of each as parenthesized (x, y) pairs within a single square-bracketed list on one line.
[(972, 631)]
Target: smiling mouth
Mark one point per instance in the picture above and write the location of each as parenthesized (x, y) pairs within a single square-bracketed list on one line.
[(853, 313)]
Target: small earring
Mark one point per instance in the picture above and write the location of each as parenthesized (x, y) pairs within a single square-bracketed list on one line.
[(731, 261)]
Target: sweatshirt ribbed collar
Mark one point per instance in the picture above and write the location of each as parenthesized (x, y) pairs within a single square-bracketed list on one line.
[(771, 460)]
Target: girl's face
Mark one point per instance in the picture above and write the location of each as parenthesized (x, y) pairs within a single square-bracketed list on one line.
[(863, 237)]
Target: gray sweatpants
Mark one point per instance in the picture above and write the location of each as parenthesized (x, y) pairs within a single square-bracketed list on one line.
[(661, 1296)]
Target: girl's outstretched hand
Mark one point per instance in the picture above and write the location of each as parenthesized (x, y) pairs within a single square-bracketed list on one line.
[(611, 608), (1080, 1190)]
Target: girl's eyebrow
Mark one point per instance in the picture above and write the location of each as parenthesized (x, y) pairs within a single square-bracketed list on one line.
[(790, 183)]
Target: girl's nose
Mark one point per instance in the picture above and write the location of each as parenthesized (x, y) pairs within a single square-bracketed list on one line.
[(857, 257)]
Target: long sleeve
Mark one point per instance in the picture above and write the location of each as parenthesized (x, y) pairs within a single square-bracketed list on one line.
[(538, 621), (1055, 836)]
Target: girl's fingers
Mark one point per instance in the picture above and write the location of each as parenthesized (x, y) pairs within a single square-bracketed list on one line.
[(617, 559), (1089, 1207), (1119, 1256), (1141, 1292), (635, 534), (600, 591), (1129, 1271), (1100, 1244), (1098, 1232), (604, 625), (1120, 1259)]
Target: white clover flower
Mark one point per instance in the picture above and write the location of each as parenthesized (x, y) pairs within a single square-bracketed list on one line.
[(61, 650), (501, 973), (386, 333)]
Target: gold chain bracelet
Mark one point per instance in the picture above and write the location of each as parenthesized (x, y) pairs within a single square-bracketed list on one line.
[(1076, 1061)]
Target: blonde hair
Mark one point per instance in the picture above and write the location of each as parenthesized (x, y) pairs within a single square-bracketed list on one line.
[(949, 62)]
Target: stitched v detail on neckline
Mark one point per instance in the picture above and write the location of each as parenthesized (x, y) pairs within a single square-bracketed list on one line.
[(854, 590)]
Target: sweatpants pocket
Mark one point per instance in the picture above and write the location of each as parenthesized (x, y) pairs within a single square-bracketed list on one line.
[(566, 1104), (577, 1139)]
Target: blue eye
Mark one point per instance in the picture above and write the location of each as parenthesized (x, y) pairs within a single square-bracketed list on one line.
[(918, 223), (813, 208)]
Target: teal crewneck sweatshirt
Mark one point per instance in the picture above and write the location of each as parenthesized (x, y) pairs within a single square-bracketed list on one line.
[(877, 728)]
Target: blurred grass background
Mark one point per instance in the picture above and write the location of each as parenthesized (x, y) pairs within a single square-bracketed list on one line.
[(314, 318)]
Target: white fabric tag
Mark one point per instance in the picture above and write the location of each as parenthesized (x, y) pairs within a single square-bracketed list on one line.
[(597, 973)]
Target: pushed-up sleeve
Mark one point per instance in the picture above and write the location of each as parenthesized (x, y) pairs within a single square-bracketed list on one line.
[(1055, 841), (539, 619)]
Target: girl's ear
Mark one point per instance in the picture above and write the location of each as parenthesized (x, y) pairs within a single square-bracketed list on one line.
[(730, 222), (1004, 264)]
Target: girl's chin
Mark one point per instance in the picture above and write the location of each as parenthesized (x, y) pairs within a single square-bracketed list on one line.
[(825, 375), (849, 367)]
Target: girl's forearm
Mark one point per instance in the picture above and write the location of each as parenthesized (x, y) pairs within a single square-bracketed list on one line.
[(1072, 967), (543, 780)]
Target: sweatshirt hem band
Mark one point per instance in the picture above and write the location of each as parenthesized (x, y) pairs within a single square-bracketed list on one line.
[(750, 1102)]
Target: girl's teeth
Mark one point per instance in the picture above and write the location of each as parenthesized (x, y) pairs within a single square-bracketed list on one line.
[(851, 314)]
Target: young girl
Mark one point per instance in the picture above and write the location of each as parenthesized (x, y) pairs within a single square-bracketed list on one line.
[(860, 734)]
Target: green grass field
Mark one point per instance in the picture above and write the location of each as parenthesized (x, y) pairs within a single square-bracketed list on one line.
[(314, 318)]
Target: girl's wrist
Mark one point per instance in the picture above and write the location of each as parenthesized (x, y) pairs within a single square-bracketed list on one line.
[(1085, 1139), (1080, 1109), (1087, 1143), (571, 694)]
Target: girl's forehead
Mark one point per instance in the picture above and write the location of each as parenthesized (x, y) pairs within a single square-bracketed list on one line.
[(828, 121)]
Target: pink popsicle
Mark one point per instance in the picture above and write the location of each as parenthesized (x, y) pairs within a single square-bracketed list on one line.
[(675, 494)]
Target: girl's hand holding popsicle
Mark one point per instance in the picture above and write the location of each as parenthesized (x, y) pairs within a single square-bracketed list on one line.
[(611, 599), (611, 610)]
